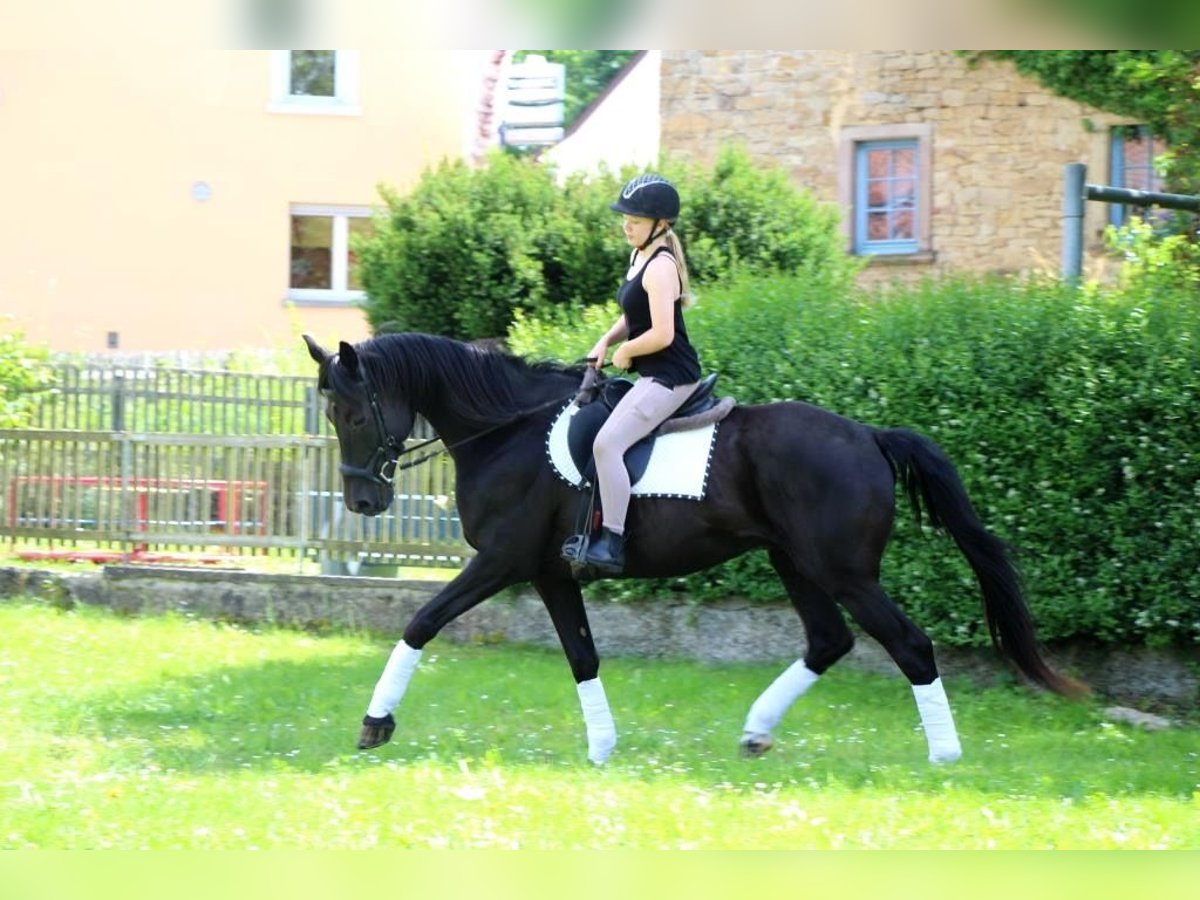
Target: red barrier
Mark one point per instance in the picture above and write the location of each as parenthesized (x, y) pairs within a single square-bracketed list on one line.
[(228, 495)]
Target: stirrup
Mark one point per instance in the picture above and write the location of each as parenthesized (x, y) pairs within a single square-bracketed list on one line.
[(574, 549), (605, 568)]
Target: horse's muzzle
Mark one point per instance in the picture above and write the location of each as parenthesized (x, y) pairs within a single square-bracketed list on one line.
[(367, 507), (367, 500)]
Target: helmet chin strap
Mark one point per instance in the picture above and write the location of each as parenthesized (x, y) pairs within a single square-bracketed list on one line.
[(654, 236)]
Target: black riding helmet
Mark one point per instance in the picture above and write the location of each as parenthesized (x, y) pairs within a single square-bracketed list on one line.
[(651, 197)]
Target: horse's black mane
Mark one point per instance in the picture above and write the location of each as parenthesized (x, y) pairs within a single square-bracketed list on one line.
[(483, 384)]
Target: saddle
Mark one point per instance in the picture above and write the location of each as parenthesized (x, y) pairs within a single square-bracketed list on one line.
[(598, 400)]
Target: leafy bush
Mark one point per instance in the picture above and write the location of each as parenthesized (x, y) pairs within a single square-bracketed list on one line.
[(565, 335), (465, 248), (24, 372), (466, 251), (742, 218), (1070, 415), (1155, 262)]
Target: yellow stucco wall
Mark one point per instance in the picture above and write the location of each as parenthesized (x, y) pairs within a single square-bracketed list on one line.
[(99, 151)]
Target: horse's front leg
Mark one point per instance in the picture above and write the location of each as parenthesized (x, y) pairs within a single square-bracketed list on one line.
[(564, 602), (482, 577)]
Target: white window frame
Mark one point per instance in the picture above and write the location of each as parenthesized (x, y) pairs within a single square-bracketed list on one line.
[(339, 264), (344, 102)]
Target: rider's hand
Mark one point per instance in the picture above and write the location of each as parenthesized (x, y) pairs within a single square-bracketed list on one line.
[(598, 352), (621, 359)]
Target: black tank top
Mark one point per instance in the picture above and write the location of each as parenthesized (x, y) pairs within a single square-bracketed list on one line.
[(674, 364)]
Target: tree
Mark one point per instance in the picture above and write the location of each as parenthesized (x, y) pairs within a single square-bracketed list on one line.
[(1160, 88)]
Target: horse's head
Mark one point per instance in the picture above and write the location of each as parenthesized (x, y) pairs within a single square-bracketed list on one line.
[(370, 429)]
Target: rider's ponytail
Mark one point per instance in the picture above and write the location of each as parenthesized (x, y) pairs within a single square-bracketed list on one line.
[(676, 247)]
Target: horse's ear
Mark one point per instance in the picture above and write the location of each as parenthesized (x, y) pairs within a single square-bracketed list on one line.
[(348, 357), (315, 350)]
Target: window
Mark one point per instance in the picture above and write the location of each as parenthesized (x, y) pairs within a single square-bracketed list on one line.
[(313, 73), (1133, 156), (314, 81), (324, 268), (885, 202), (885, 186)]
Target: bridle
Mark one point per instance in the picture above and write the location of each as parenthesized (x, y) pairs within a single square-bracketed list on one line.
[(388, 452)]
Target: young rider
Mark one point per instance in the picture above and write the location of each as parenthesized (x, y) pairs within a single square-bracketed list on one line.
[(655, 346)]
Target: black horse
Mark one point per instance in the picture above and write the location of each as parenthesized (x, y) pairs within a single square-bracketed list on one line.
[(815, 489)]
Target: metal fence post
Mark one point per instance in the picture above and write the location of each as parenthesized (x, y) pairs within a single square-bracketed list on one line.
[(308, 502), (312, 411), (1074, 177), (118, 401), (128, 500)]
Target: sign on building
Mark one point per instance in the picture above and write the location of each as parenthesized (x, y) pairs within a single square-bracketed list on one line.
[(533, 103)]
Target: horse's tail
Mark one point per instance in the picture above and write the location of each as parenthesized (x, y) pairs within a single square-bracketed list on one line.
[(929, 478)]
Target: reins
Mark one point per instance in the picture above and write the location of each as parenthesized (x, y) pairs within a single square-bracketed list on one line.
[(388, 452), (446, 448)]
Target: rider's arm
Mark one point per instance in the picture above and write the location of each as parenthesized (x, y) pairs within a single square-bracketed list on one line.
[(618, 332)]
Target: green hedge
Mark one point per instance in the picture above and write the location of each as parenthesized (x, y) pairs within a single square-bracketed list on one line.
[(1071, 415), (468, 250)]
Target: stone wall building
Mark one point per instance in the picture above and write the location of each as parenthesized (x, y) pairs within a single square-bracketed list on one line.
[(935, 163)]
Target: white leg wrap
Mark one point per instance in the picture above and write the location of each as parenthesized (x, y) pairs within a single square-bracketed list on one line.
[(389, 691), (937, 721), (601, 730), (785, 690)]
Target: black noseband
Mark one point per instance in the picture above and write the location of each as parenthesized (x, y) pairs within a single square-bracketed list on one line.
[(380, 468)]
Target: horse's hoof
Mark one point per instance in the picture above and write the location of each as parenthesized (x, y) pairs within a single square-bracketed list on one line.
[(755, 745), (599, 750), (944, 757), (376, 732)]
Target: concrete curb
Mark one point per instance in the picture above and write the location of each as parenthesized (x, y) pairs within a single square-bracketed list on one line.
[(717, 633)]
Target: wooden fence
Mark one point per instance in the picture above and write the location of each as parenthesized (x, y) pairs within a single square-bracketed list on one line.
[(167, 464), (175, 401)]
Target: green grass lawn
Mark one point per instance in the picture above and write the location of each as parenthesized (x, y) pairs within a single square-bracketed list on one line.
[(169, 732)]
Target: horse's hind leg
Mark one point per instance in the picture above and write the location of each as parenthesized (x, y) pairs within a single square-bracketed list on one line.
[(564, 602), (912, 650), (828, 641)]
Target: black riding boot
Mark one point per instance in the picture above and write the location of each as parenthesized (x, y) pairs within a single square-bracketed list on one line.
[(607, 552)]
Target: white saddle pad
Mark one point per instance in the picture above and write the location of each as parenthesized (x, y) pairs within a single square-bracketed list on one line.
[(678, 463)]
